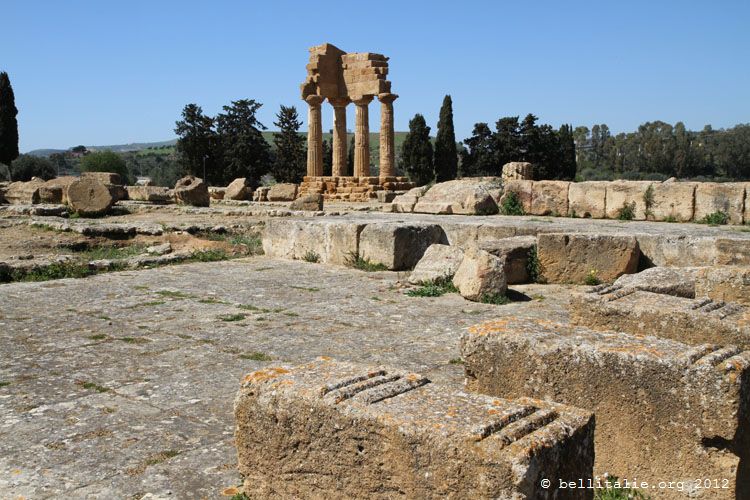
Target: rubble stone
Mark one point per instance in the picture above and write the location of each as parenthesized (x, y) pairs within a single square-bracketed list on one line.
[(396, 245), (515, 251), (480, 275), (238, 189), (24, 193), (310, 202), (518, 170), (89, 197), (438, 262), (103, 177), (282, 192), (191, 190), (261, 194), (405, 203), (152, 194), (56, 190), (471, 196)]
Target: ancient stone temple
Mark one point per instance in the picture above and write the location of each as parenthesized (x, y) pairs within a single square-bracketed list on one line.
[(343, 78)]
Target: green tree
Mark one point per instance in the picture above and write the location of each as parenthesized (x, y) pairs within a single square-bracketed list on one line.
[(197, 144), (446, 157), (416, 152), (245, 151), (290, 162), (507, 140), (350, 158), (328, 157), (25, 167), (8, 121), (479, 157), (566, 156), (106, 161)]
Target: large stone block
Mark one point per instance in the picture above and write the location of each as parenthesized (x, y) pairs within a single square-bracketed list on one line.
[(397, 245), (152, 194), (438, 262), (518, 170), (673, 201), (680, 249), (515, 252), (24, 193), (621, 193), (56, 190), (89, 197), (282, 192), (727, 197), (692, 321), (191, 190), (480, 275), (570, 258), (334, 242), (471, 196), (663, 409), (549, 198), (339, 430), (103, 177), (238, 189), (587, 199), (522, 190), (724, 283), (310, 202)]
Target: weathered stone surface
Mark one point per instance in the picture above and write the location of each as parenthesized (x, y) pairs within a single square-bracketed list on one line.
[(724, 283), (549, 198), (470, 196), (369, 431), (310, 202), (620, 193), (438, 262), (191, 190), (480, 275), (89, 197), (673, 201), (663, 408), (334, 242), (522, 189), (746, 218), (153, 194), (515, 252), (162, 249), (570, 258), (103, 177), (282, 192), (679, 282), (692, 321), (399, 246), (405, 202), (587, 199), (118, 192), (56, 190), (518, 170), (388, 196), (727, 197), (238, 189), (261, 194), (217, 193), (24, 193)]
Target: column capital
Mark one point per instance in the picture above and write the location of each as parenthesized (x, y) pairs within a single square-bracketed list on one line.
[(339, 102), (387, 98), (362, 100), (314, 100)]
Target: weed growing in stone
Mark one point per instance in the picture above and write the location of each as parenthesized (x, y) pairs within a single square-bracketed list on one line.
[(511, 205), (532, 265), (111, 252), (311, 256), (648, 200), (612, 492), (456, 361), (91, 386), (4, 383), (256, 356), (233, 317), (134, 340), (719, 218), (592, 278), (174, 295), (54, 271), (670, 218), (626, 211), (208, 256), (358, 262), (497, 299), (250, 307), (211, 300), (161, 457), (240, 496), (305, 288), (434, 288), (98, 336)]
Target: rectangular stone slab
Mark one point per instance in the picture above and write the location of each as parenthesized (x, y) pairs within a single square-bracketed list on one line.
[(663, 409), (343, 430), (692, 321)]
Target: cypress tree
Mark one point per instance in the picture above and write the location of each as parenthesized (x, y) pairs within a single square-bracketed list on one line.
[(416, 152), (567, 154), (350, 158), (446, 157), (8, 122), (291, 152)]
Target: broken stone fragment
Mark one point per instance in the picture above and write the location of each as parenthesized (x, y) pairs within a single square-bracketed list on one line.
[(480, 275), (309, 202), (438, 262), (193, 191)]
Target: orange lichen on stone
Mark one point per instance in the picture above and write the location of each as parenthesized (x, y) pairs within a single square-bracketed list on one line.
[(265, 374)]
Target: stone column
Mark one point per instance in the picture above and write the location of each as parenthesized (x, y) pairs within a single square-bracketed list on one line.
[(339, 135), (387, 147), (314, 137), (362, 137)]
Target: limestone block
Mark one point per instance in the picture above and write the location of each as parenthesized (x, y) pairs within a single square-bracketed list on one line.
[(724, 283), (89, 197), (24, 193), (397, 245), (732, 252), (515, 252), (471, 196), (369, 432), (727, 197), (238, 189), (680, 249), (56, 190), (191, 190), (522, 189), (661, 406), (587, 199), (569, 258), (153, 194), (519, 170), (388, 196), (333, 241), (282, 192), (438, 262), (692, 321), (217, 193), (620, 193), (311, 202), (673, 201), (103, 177), (480, 275), (549, 198), (261, 194), (679, 282)]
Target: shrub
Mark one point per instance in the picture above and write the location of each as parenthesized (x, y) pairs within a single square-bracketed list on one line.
[(715, 219), (648, 200), (358, 262), (311, 256), (434, 288), (532, 265), (511, 204), (627, 211), (27, 166), (497, 299), (592, 278), (106, 161)]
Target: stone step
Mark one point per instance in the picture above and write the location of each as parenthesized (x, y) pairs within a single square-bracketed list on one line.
[(664, 409), (692, 321), (351, 431)]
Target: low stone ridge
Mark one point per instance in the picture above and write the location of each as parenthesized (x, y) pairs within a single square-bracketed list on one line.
[(549, 198), (663, 408), (282, 192), (309, 202), (89, 197), (516, 252), (376, 432), (692, 321), (191, 190), (438, 262), (480, 275), (398, 246), (518, 170), (238, 189), (571, 258), (151, 194), (471, 196)]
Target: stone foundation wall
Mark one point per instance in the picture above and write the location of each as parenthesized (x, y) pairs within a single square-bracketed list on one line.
[(352, 188)]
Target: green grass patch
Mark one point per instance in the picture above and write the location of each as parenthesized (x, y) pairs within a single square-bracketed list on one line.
[(232, 317), (291, 314), (497, 299), (54, 271), (111, 252), (98, 336), (4, 383), (715, 219), (592, 278), (311, 256), (92, 386), (250, 307), (208, 256), (134, 340), (305, 288), (211, 301), (174, 295), (240, 496), (434, 288), (626, 211), (456, 361), (533, 267), (256, 356), (614, 490), (511, 204), (358, 262)]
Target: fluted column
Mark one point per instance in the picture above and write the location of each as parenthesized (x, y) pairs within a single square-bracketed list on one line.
[(387, 140), (314, 137), (339, 135), (362, 137)]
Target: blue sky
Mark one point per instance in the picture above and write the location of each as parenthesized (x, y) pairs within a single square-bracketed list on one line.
[(110, 72)]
